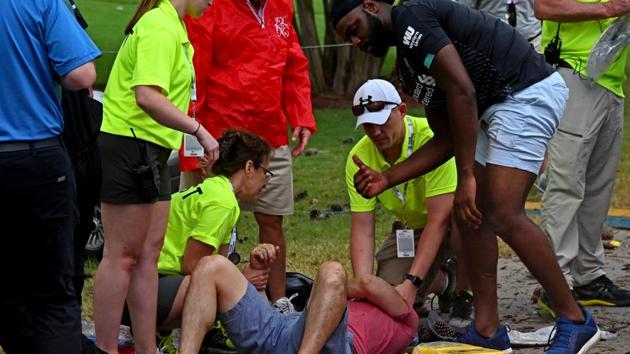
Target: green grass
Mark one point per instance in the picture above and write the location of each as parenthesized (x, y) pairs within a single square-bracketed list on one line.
[(107, 20)]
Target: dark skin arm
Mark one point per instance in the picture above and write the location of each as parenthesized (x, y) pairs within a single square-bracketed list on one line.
[(453, 133), (451, 76)]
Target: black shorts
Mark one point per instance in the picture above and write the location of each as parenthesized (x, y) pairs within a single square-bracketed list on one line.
[(168, 285), (119, 156)]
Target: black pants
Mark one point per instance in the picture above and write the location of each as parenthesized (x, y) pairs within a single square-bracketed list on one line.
[(39, 311), (87, 174)]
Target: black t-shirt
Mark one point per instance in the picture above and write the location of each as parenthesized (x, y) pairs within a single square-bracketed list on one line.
[(498, 60)]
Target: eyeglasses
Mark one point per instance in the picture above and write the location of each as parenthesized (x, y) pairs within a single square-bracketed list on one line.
[(268, 174), (371, 106)]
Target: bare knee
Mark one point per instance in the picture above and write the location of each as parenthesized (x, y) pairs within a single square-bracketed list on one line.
[(128, 263), (332, 275), (211, 266), (125, 261), (503, 221)]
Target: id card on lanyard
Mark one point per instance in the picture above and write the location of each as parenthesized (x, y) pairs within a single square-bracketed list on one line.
[(232, 255), (405, 247), (192, 148)]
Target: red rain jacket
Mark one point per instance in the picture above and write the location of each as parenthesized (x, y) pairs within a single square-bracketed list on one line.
[(251, 72)]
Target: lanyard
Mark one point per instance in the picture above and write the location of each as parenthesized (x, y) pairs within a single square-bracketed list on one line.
[(399, 194), (233, 238), (193, 83)]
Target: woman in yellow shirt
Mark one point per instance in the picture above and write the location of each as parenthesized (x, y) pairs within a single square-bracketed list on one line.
[(149, 90), (202, 219)]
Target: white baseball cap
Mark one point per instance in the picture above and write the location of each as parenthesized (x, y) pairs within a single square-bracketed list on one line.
[(376, 90)]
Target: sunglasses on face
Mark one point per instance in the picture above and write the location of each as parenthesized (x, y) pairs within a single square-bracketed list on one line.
[(371, 106)]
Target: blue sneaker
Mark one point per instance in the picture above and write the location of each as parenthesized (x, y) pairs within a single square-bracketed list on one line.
[(500, 341), (573, 338)]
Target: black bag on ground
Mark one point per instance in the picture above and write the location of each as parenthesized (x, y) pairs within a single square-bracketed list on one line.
[(298, 283)]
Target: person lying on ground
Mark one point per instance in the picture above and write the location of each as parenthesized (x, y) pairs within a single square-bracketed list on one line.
[(361, 315)]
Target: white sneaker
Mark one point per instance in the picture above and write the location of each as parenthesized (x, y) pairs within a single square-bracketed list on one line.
[(284, 305)]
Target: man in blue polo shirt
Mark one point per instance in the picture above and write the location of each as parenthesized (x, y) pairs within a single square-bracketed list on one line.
[(41, 46)]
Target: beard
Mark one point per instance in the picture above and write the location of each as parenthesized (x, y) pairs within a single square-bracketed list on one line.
[(377, 43)]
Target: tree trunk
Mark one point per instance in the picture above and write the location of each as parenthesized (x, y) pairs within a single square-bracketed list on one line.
[(350, 67), (308, 38), (340, 70)]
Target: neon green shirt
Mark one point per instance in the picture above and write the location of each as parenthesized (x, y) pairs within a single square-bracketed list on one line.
[(442, 180), (157, 53), (206, 212), (578, 39)]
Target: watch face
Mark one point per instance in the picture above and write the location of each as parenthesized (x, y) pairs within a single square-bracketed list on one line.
[(234, 257)]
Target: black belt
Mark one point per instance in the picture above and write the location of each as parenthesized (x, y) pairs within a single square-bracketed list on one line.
[(564, 64), (13, 146)]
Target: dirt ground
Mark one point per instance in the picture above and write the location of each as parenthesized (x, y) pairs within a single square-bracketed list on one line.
[(516, 287)]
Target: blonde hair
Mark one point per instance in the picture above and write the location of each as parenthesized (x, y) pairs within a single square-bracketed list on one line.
[(143, 8)]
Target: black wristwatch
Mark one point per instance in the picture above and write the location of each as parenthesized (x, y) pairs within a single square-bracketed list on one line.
[(414, 279)]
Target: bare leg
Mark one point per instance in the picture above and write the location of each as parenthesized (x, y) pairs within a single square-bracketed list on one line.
[(462, 269), (325, 308), (142, 295), (215, 285), (482, 274), (502, 198), (270, 231), (126, 227)]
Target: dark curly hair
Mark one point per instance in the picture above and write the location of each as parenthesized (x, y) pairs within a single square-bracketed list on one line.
[(236, 147)]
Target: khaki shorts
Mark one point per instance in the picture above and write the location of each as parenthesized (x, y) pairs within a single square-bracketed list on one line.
[(277, 196), (391, 268)]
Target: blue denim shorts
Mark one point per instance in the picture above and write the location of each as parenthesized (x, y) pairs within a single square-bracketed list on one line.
[(255, 327), (515, 132)]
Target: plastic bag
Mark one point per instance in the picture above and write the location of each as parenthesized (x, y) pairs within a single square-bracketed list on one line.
[(606, 50), (124, 334), (541, 336)]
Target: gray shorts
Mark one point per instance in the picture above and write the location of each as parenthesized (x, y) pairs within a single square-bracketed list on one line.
[(255, 327), (515, 133)]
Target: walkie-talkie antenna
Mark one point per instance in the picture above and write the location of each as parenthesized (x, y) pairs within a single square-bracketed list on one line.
[(77, 14), (143, 153)]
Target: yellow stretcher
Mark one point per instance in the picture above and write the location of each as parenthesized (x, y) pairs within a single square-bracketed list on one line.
[(453, 348)]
